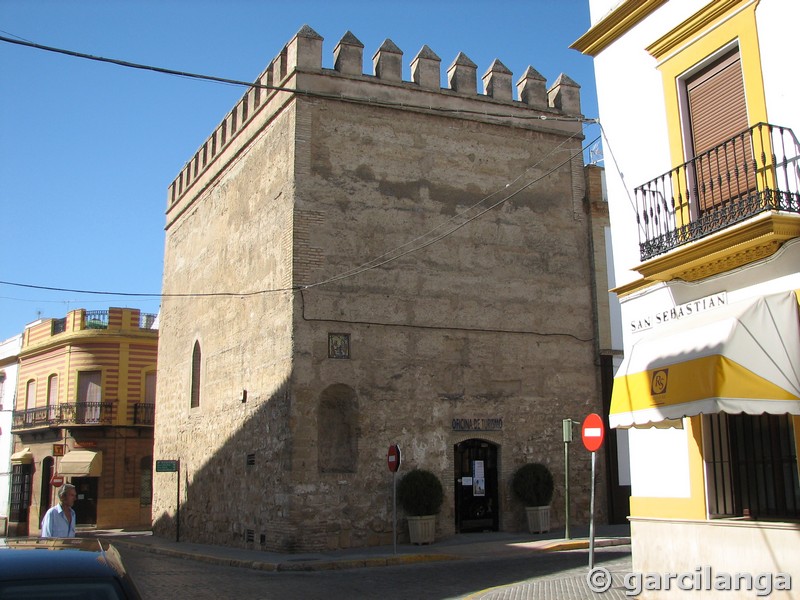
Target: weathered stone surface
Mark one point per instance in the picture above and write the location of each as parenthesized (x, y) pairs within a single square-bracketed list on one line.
[(316, 221)]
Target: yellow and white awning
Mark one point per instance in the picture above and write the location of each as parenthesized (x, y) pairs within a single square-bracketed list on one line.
[(742, 358)]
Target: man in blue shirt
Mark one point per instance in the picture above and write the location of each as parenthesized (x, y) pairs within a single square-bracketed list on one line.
[(59, 520)]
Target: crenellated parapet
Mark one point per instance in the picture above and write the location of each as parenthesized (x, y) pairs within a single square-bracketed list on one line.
[(297, 70)]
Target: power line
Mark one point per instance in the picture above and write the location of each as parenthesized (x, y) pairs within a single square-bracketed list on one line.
[(248, 84), (389, 256), (368, 266), (133, 65), (377, 259)]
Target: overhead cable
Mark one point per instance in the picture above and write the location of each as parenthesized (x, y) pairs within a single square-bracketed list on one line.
[(248, 84), (391, 255)]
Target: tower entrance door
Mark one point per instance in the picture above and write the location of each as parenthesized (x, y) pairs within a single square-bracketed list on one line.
[(476, 486)]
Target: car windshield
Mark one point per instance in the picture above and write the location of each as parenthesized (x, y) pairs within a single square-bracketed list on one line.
[(66, 589)]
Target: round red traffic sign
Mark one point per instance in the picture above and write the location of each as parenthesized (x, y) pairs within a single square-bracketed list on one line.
[(593, 432), (393, 458), (57, 480)]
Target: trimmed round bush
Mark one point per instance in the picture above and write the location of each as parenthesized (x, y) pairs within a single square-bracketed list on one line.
[(533, 484), (420, 493)]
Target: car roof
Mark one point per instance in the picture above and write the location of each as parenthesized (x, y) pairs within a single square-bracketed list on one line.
[(45, 558)]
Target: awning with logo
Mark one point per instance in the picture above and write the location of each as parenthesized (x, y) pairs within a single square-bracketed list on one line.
[(741, 358), (24, 456), (81, 463)]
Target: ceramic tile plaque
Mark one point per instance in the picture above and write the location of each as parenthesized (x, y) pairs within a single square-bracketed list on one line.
[(338, 345)]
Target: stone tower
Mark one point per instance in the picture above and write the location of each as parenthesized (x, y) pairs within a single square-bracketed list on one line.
[(355, 260)]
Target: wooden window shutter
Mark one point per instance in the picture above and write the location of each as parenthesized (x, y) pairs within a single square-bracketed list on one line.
[(717, 113)]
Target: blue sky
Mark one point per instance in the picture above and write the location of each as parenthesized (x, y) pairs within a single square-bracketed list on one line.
[(88, 149)]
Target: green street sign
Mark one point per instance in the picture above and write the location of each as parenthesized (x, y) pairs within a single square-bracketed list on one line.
[(166, 466)]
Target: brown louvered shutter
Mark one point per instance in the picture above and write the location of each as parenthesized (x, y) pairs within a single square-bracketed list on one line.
[(723, 163)]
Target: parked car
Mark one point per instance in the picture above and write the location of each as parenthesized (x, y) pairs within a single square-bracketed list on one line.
[(85, 568)]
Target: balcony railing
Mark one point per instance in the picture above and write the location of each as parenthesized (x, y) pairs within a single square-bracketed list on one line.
[(96, 319), (80, 413), (755, 171), (144, 413)]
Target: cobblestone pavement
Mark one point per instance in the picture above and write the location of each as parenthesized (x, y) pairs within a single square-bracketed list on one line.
[(560, 575), (573, 584)]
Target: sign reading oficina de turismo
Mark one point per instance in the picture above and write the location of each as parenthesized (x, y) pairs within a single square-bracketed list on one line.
[(678, 312)]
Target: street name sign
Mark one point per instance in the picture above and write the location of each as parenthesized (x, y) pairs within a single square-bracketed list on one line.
[(166, 466)]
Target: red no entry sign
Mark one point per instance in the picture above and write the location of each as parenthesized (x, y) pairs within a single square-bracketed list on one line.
[(393, 458), (57, 480), (593, 432)]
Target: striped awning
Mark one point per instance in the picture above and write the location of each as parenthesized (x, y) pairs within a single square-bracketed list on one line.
[(742, 358)]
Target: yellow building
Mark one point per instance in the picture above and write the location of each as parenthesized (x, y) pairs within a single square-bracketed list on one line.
[(698, 107), (84, 414)]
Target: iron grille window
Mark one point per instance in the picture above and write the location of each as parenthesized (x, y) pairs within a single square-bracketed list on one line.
[(146, 481), (59, 325), (20, 492), (751, 466)]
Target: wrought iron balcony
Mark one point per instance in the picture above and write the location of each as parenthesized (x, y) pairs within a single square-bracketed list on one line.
[(755, 171), (144, 413), (59, 415)]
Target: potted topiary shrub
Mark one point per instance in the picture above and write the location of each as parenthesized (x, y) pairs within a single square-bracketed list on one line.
[(420, 494), (533, 485)]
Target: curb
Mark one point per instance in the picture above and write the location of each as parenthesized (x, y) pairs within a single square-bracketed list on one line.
[(289, 566), (300, 565), (583, 544)]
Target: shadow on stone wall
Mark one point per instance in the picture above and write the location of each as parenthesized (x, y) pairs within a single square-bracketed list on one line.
[(241, 494)]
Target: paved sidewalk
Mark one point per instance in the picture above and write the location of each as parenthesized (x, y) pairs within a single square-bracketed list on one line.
[(467, 546)]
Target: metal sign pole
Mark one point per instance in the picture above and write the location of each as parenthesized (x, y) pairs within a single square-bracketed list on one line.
[(566, 426), (178, 506), (393, 459), (394, 510), (566, 490), (591, 517)]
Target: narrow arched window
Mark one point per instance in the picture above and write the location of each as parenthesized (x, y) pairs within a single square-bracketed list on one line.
[(196, 361)]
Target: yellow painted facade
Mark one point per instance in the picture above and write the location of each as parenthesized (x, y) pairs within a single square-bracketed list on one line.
[(51, 419)]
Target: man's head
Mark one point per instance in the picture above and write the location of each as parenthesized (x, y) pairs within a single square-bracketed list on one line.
[(67, 494)]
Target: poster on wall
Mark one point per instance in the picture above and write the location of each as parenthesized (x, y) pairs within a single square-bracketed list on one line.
[(478, 479)]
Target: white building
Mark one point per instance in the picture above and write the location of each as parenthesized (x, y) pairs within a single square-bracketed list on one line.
[(698, 106), (9, 349)]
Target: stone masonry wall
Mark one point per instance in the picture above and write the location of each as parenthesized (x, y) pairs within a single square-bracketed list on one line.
[(493, 321)]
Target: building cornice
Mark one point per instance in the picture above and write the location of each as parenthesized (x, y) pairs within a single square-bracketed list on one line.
[(614, 25), (735, 247), (697, 23), (89, 336)]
